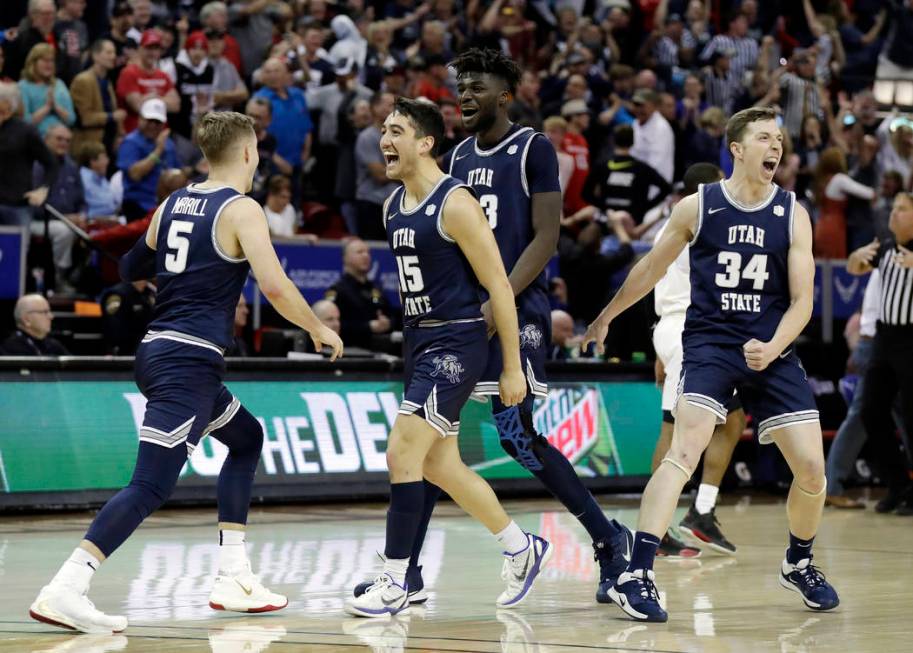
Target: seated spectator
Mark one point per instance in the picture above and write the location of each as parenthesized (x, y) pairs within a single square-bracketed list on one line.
[(142, 80), (33, 324), (555, 128), (228, 90), (194, 83), (239, 346), (100, 199), (373, 187), (271, 162), (365, 312), (280, 213), (95, 102), (142, 156), (564, 342), (127, 310), (45, 99), (328, 313), (65, 193)]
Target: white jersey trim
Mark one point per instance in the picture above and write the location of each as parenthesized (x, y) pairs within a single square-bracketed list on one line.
[(215, 240), (177, 336), (418, 206), (741, 207), (496, 148), (457, 149), (440, 212), (700, 213)]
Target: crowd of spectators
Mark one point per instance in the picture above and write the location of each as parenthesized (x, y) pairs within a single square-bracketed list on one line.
[(98, 101)]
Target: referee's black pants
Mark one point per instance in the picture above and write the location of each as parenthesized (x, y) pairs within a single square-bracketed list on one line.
[(890, 372)]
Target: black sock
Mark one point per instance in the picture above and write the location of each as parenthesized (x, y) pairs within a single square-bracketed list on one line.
[(407, 502), (432, 494), (798, 549), (644, 551)]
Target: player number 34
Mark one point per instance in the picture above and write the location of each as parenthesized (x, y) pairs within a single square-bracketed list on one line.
[(733, 273)]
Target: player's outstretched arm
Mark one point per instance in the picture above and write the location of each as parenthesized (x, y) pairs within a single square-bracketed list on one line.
[(647, 272), (464, 221), (139, 262), (247, 223), (801, 263)]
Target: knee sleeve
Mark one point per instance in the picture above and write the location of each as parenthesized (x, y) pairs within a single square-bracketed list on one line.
[(519, 438), (243, 436)]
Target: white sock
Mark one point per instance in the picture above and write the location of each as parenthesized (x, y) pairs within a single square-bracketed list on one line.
[(396, 569), (77, 570), (512, 538), (232, 552), (706, 498)]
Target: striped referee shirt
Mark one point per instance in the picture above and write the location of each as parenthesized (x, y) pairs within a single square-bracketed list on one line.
[(746, 51), (722, 91), (896, 308), (801, 99)]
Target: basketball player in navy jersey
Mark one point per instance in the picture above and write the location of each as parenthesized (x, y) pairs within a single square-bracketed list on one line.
[(200, 246), (752, 287), (513, 172), (443, 249)]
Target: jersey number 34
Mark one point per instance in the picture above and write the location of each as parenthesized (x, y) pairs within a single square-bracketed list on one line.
[(733, 273)]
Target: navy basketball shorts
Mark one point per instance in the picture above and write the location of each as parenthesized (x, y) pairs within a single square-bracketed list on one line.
[(185, 398), (441, 367), (776, 397), (535, 336)]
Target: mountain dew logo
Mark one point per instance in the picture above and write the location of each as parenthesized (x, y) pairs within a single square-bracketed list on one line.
[(575, 422)]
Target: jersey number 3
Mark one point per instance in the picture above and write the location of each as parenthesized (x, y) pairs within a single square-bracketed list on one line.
[(732, 274), (178, 245), (489, 204)]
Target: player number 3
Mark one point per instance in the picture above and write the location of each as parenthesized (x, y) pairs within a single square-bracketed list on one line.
[(489, 204), (178, 241), (732, 274)]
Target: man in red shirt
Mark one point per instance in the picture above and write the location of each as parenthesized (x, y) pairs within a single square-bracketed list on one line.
[(577, 115), (142, 80)]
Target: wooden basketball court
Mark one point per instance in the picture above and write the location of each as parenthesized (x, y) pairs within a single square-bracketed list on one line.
[(161, 578)]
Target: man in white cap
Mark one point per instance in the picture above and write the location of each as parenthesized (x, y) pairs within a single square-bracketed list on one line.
[(142, 156)]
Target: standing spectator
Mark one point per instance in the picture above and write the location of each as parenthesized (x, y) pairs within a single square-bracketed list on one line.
[(896, 60), (654, 141), (689, 108), (318, 70), (95, 102), (366, 315), (577, 115), (45, 98), (142, 18), (373, 187), (20, 142), (800, 92), (349, 45), (271, 162), (896, 152), (525, 109), (228, 89), (251, 24), (119, 34), (100, 199), (142, 80), (555, 130), (891, 184), (239, 346), (214, 18), (378, 56), (142, 156), (433, 79), (832, 187), (721, 82), (194, 83), (291, 121), (127, 310), (72, 38), (357, 117), (453, 125), (890, 368), (736, 40), (280, 213), (704, 144), (36, 28), (33, 325)]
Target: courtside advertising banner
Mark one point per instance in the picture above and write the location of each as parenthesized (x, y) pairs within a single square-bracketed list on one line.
[(59, 436)]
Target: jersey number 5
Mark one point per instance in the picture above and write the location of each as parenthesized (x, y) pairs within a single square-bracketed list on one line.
[(489, 204), (410, 274), (755, 271), (178, 232)]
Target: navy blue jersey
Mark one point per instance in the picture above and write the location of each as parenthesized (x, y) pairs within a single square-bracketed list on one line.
[(504, 179), (739, 271), (436, 282), (198, 284)]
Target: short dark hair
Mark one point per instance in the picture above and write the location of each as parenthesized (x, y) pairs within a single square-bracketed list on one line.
[(99, 44), (277, 184), (735, 128), (89, 152), (623, 136), (425, 117), (493, 62), (701, 173)]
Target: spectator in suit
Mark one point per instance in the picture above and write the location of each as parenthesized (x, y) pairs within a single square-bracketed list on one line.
[(33, 325), (98, 119)]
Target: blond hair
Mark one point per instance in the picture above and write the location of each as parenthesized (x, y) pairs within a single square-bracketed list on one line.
[(39, 51), (218, 131), (554, 122)]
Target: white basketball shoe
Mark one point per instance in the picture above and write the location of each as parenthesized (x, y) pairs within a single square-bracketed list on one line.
[(243, 592), (384, 597), (64, 606), (522, 569)]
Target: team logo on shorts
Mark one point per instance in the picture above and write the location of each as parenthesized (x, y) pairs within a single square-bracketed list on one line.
[(530, 337), (448, 366)]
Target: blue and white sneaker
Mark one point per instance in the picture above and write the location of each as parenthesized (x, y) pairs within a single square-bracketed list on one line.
[(613, 555), (382, 598), (414, 582), (635, 592), (806, 579), (521, 570)]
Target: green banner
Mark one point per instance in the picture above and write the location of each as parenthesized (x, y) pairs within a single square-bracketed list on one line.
[(80, 435)]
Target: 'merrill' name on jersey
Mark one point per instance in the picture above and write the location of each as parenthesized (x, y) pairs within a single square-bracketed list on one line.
[(190, 206)]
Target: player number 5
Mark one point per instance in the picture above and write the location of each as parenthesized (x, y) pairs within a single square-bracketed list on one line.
[(755, 271), (178, 241)]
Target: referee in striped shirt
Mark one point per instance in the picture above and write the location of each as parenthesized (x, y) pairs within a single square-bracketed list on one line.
[(891, 367)]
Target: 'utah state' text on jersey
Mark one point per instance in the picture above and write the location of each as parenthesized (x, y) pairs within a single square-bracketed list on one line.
[(504, 178), (739, 269), (198, 284), (436, 282)]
